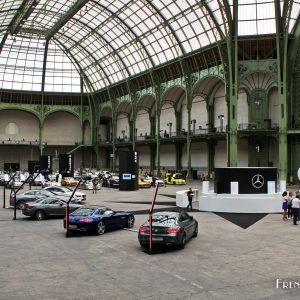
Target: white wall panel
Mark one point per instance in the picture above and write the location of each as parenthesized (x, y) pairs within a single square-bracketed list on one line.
[(168, 156), (144, 156), (184, 115), (103, 161), (102, 135), (122, 124), (199, 156), (18, 125), (220, 108), (242, 159), (61, 128), (87, 133), (242, 109), (142, 123), (221, 154), (199, 112), (167, 116), (18, 154)]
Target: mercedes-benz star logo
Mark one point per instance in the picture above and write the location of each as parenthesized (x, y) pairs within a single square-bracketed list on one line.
[(258, 181)]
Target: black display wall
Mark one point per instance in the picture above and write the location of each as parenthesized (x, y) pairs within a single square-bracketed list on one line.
[(33, 166), (66, 165), (128, 171), (11, 167), (46, 164), (251, 180)]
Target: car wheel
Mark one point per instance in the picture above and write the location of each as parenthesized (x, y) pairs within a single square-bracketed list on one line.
[(101, 228), (183, 241), (21, 205), (174, 182), (40, 215), (130, 221), (195, 232)]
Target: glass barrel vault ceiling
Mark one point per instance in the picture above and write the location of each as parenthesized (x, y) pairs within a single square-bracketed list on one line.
[(109, 41)]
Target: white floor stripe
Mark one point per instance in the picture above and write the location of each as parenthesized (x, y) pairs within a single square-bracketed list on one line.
[(179, 277)]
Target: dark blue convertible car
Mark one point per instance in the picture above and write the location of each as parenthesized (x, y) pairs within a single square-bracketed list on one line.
[(89, 218)]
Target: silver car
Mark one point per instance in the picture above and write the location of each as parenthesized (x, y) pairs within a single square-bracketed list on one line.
[(51, 206), (28, 196)]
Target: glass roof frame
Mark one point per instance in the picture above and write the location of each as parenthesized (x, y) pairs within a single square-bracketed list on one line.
[(112, 40)]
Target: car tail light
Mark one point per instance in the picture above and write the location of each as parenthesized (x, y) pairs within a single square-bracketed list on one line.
[(65, 218), (86, 220), (143, 229), (173, 230), (28, 206)]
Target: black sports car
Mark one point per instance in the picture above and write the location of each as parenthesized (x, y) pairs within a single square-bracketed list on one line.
[(169, 228), (97, 219)]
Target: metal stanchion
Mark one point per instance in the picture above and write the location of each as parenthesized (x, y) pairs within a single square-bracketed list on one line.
[(150, 218), (16, 191), (4, 188), (68, 208)]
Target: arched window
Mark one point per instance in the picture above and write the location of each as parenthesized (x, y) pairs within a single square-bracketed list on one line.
[(12, 128)]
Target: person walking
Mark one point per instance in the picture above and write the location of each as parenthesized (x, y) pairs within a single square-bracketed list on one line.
[(190, 196), (295, 208), (284, 205)]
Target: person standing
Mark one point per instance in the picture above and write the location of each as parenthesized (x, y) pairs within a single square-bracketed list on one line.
[(295, 208), (190, 195), (95, 183), (290, 211), (284, 205)]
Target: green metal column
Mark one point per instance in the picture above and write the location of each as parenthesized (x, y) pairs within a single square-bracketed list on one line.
[(157, 115), (232, 93), (211, 155), (133, 119), (282, 24), (188, 137), (114, 128), (41, 143), (152, 127), (42, 113), (158, 144), (178, 122)]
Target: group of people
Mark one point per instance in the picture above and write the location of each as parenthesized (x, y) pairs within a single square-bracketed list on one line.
[(291, 206)]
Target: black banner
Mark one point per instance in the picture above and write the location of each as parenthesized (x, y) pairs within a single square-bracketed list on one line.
[(251, 180)]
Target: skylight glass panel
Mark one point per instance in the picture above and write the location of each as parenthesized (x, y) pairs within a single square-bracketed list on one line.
[(294, 14), (21, 64), (61, 74), (256, 17)]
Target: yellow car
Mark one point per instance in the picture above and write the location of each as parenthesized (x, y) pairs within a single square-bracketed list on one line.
[(175, 178), (68, 181), (143, 183)]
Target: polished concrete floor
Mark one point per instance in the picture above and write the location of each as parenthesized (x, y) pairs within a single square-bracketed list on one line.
[(225, 261)]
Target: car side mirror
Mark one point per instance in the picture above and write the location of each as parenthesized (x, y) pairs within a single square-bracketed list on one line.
[(191, 217)]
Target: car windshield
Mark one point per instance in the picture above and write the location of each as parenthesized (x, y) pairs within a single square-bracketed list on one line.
[(65, 189), (164, 220), (82, 211), (39, 200)]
